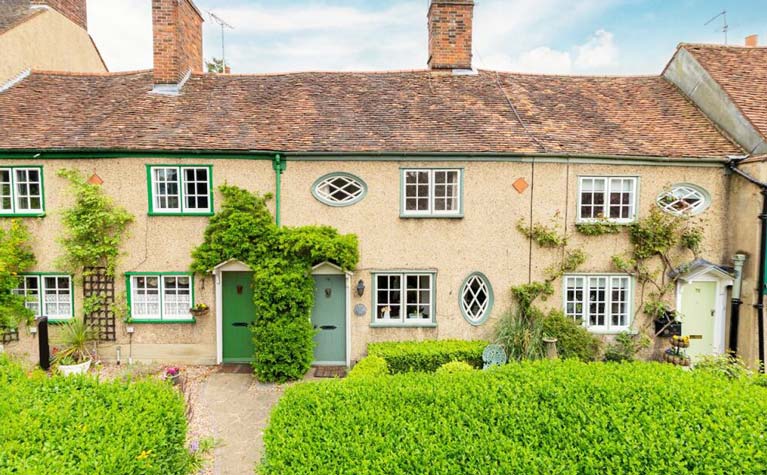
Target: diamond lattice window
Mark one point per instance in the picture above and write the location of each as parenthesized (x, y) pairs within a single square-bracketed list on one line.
[(476, 298), (339, 189), (684, 200)]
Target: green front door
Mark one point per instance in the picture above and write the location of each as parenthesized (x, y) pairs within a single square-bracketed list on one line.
[(238, 314), (698, 317), (329, 319)]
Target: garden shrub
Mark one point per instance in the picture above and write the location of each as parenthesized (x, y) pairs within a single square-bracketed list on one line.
[(626, 346), (726, 365), (369, 366), (427, 355), (77, 425), (283, 288), (15, 257), (561, 417), (521, 334), (455, 367), (573, 341)]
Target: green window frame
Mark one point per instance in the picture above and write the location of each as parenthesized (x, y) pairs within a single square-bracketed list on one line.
[(48, 294), (180, 190), (22, 191), (406, 294), (431, 192), (476, 298), (158, 297)]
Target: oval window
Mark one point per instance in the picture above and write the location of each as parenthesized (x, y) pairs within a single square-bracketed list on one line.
[(339, 189), (684, 200), (476, 298)]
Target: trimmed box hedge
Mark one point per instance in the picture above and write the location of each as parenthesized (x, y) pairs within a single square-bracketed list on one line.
[(427, 355), (562, 417), (78, 425)]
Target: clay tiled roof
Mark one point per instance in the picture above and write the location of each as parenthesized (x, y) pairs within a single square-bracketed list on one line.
[(415, 111), (742, 73), (13, 12)]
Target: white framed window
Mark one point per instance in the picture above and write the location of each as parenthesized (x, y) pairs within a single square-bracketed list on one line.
[(21, 191), (684, 199), (607, 198), (476, 298), (160, 297), (600, 302), (180, 189), (339, 189), (405, 298), (48, 295), (431, 192)]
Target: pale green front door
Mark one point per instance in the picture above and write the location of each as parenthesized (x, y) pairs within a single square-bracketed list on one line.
[(238, 315), (699, 317), (329, 319)]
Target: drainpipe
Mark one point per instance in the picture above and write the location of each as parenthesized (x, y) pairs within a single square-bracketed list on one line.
[(279, 165), (759, 305), (738, 262)]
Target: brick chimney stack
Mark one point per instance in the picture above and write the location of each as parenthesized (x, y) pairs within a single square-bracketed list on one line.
[(177, 34), (450, 34), (752, 41), (75, 10)]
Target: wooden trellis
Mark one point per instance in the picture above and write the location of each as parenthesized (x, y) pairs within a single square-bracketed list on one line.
[(97, 282), (9, 335)]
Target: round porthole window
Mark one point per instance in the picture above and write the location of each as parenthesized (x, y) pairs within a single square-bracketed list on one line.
[(476, 298), (684, 199), (339, 189)]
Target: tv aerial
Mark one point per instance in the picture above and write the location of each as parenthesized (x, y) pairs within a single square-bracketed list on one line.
[(725, 26), (223, 24)]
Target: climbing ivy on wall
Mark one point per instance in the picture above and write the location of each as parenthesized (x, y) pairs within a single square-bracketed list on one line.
[(94, 227), (283, 288), (15, 257)]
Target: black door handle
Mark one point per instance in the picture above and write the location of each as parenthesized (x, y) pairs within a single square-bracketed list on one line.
[(327, 327), (240, 324)]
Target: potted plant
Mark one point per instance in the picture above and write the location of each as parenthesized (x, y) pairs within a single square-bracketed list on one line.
[(386, 312), (199, 310), (73, 356), (172, 374)]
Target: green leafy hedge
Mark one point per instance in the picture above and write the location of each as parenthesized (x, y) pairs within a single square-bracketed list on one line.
[(76, 425), (427, 355), (562, 417), (369, 366)]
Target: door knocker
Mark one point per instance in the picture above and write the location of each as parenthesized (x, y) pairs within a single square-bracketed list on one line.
[(239, 290), (328, 292)]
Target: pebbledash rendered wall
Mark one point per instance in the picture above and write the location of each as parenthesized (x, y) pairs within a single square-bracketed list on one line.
[(485, 239)]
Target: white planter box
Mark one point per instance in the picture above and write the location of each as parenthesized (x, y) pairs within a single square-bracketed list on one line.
[(81, 368)]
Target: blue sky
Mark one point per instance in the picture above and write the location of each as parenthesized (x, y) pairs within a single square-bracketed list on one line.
[(544, 36)]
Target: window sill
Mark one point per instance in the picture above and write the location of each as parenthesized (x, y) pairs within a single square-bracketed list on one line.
[(22, 215), (131, 322), (605, 221), (431, 216), (403, 325), (58, 321), (192, 215), (611, 332)]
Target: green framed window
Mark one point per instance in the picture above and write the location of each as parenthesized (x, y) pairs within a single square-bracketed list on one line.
[(404, 298), (177, 190), (160, 297), (476, 298), (431, 192), (602, 302), (21, 191), (339, 189), (47, 295)]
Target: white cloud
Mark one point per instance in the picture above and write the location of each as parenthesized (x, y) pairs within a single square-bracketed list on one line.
[(122, 30), (599, 52)]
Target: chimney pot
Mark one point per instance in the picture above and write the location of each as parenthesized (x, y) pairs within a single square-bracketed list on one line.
[(450, 34), (177, 34), (752, 41)]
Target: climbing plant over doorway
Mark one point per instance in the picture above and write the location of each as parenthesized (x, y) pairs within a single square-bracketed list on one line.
[(283, 288)]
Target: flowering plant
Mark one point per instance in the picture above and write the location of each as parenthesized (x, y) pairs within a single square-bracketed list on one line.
[(200, 306), (172, 371)]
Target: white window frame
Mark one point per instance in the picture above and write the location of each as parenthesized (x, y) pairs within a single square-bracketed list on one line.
[(42, 288), (14, 184), (403, 319), (608, 182), (182, 206), (351, 198), (689, 188), (163, 315), (584, 315), (431, 211)]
